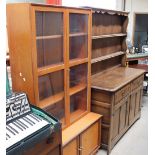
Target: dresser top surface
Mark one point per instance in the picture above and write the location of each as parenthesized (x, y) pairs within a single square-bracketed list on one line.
[(113, 80)]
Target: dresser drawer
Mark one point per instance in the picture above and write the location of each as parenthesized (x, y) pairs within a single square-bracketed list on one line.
[(137, 82), (123, 92)]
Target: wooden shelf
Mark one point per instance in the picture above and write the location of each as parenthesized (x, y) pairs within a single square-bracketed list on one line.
[(109, 35), (107, 57), (49, 37), (78, 34), (78, 61), (77, 89), (50, 68), (51, 100)]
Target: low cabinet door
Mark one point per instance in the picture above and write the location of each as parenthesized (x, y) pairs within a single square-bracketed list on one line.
[(72, 148), (135, 104), (90, 139), (120, 118)]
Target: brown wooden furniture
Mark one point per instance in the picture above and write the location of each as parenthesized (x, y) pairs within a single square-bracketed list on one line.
[(88, 134), (116, 89), (50, 56)]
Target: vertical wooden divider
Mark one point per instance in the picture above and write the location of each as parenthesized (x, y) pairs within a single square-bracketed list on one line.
[(34, 55), (89, 61), (66, 61)]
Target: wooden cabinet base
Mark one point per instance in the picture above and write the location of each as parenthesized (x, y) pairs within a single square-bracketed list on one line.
[(120, 105), (82, 137)]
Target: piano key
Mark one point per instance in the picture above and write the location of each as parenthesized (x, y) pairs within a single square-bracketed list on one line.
[(12, 128), (27, 132), (29, 119), (17, 126), (23, 123), (10, 131), (34, 117), (37, 117)]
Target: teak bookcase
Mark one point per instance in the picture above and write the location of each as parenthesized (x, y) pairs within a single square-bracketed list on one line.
[(50, 55), (116, 89)]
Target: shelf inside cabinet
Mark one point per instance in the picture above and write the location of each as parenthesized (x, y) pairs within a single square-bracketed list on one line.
[(77, 89), (51, 100), (50, 68), (49, 37), (107, 57), (109, 35), (78, 34)]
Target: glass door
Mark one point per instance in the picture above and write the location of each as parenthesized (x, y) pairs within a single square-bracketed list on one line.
[(50, 62), (78, 64)]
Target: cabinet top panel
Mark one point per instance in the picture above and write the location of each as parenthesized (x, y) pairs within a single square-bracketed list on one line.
[(113, 80), (101, 10), (49, 5)]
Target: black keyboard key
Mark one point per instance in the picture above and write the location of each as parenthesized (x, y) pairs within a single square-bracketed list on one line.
[(13, 129), (27, 121), (8, 136), (10, 131), (15, 124), (34, 118), (23, 123)]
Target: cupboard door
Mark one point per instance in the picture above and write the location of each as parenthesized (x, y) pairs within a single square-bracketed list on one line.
[(135, 104), (138, 101), (49, 38), (72, 148), (90, 139), (115, 125), (132, 108), (124, 116)]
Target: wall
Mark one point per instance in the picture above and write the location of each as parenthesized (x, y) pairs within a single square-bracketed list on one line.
[(32, 1), (134, 6)]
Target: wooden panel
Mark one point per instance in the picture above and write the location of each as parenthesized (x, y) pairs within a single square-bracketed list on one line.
[(124, 116), (105, 65), (104, 134), (132, 108), (103, 109), (101, 96), (72, 148), (89, 139), (19, 37), (138, 102), (115, 126)]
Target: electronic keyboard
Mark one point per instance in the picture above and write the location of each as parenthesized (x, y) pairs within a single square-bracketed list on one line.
[(22, 125)]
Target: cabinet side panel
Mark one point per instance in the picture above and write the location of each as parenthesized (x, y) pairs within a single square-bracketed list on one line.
[(19, 34)]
